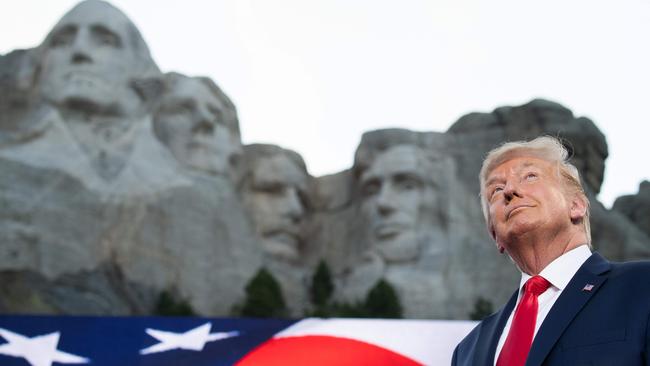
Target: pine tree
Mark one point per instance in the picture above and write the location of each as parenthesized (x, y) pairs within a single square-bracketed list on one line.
[(321, 285), (264, 297), (167, 305), (482, 308), (382, 301)]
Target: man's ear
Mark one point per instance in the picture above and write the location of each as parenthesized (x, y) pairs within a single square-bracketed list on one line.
[(149, 89), (578, 209), (493, 233)]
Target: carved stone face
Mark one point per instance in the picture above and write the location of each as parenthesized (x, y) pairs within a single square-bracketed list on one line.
[(89, 60), (191, 122), (394, 192), (274, 196)]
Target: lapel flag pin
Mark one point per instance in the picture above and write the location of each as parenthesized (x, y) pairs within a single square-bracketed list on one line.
[(588, 287)]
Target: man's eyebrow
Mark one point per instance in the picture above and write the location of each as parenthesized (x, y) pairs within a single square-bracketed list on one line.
[(102, 29), (492, 180), (66, 28), (368, 176)]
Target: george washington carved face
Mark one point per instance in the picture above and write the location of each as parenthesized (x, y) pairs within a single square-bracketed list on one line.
[(90, 58)]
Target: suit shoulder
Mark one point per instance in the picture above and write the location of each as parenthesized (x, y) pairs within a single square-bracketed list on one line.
[(636, 273), (634, 268), (469, 342), (470, 339)]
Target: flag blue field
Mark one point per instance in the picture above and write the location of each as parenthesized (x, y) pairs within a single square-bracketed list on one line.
[(104, 341)]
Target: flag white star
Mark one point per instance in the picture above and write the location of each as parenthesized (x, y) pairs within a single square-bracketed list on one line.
[(193, 340), (38, 351)]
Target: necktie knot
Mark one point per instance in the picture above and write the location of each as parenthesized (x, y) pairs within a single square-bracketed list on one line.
[(536, 285)]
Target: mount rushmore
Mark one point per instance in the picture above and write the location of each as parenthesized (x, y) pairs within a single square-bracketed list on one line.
[(120, 182)]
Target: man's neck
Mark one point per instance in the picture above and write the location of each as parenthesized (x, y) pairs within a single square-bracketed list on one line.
[(533, 252)]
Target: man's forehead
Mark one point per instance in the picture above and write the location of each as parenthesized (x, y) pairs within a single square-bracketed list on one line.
[(516, 163), (398, 159), (278, 168), (190, 88), (96, 13)]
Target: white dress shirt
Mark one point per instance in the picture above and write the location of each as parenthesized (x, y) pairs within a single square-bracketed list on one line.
[(558, 273)]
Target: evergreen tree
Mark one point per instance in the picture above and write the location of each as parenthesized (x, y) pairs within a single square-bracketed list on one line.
[(321, 286), (382, 301), (167, 305), (264, 297), (482, 308)]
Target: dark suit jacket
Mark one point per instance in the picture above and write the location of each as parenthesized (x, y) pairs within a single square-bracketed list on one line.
[(606, 326)]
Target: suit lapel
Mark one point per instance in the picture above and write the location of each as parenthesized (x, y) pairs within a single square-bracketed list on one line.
[(572, 299), (489, 337)]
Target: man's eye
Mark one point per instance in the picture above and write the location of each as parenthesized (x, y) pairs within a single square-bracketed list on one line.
[(203, 128), (106, 37), (64, 37), (496, 190), (531, 176), (179, 107), (408, 182), (271, 188), (370, 188)]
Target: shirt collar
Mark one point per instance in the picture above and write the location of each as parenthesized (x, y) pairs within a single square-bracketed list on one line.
[(561, 270)]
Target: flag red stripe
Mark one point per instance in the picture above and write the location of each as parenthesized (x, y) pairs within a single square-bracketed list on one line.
[(322, 351)]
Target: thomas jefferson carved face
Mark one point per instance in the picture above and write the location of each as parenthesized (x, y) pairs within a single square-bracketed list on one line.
[(89, 59), (193, 122), (394, 193), (274, 195)]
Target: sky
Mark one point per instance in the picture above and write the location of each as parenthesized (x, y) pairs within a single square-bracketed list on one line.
[(314, 75)]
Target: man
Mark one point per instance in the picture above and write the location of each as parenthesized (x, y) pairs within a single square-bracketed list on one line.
[(92, 70), (90, 59), (275, 196), (393, 191), (572, 307), (198, 123), (399, 176)]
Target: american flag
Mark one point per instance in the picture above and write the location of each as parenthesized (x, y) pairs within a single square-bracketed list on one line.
[(125, 341)]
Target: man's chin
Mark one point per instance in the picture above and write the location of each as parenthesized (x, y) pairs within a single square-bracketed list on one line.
[(400, 248), (517, 232), (281, 250)]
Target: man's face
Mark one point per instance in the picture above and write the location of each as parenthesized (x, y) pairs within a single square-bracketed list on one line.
[(393, 194), (275, 198), (191, 123), (526, 195), (88, 59)]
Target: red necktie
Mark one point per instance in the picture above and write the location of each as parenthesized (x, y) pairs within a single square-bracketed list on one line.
[(520, 338)]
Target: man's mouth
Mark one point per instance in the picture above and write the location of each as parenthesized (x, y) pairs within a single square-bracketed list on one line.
[(389, 230), (82, 77), (515, 210), (283, 236)]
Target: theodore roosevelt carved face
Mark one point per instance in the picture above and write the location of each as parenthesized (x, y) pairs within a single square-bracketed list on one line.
[(274, 191)]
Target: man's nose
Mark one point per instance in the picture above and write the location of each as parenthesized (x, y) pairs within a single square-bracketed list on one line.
[(293, 205), (386, 200), (511, 190), (203, 120), (81, 48)]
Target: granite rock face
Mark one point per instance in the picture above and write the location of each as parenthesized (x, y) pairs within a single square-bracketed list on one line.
[(89, 182), (120, 183), (636, 207)]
